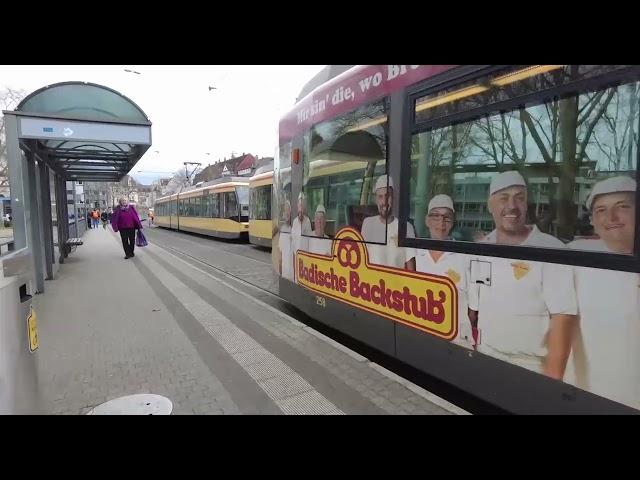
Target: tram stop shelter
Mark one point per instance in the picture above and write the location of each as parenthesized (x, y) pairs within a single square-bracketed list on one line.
[(70, 131)]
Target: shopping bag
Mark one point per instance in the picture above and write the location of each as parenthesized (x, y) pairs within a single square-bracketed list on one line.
[(141, 241)]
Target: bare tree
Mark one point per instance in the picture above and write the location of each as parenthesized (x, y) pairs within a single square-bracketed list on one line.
[(177, 182), (435, 155), (573, 121), (617, 140), (494, 138), (9, 98), (561, 130)]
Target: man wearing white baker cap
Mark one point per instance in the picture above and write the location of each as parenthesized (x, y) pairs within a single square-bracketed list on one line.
[(527, 315), (609, 300), (383, 228), (319, 242), (612, 207), (300, 228), (439, 220)]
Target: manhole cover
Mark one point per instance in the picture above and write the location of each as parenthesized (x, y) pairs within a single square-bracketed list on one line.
[(141, 404)]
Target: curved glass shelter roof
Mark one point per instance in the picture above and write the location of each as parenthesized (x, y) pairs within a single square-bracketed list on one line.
[(84, 131)]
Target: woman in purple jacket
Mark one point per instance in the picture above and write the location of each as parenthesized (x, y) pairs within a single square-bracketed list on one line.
[(125, 220)]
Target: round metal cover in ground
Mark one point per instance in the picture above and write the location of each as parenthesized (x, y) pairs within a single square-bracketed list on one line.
[(141, 404)]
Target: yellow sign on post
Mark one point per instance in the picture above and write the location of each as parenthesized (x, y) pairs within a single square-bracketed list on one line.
[(32, 330)]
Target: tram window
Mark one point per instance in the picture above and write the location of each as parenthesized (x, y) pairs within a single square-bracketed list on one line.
[(206, 207), (260, 204), (344, 158), (230, 205), (242, 193), (215, 205), (197, 207), (559, 163)]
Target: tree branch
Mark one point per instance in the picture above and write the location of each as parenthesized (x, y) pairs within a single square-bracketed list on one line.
[(596, 119), (593, 103), (526, 117)]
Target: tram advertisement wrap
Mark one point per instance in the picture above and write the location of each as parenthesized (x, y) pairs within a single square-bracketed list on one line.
[(424, 301)]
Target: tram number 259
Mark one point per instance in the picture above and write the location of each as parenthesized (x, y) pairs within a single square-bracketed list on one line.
[(321, 301)]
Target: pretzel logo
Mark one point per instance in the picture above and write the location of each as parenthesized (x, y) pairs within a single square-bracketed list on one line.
[(349, 254)]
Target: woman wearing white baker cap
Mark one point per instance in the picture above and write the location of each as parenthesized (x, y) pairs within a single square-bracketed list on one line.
[(439, 220)]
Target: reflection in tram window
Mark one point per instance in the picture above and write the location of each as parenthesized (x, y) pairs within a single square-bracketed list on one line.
[(260, 204), (230, 205), (560, 148), (344, 156)]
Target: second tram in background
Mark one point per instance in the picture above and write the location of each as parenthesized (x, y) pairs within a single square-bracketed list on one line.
[(260, 194), (219, 208)]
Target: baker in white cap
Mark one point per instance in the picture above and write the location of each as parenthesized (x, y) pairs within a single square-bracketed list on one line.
[(284, 243), (383, 228), (612, 207), (320, 242), (526, 314), (609, 300), (439, 220), (300, 228)]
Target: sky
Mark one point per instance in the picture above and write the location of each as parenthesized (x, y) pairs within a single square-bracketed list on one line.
[(190, 121)]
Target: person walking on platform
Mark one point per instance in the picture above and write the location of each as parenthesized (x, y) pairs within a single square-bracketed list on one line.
[(104, 217), (95, 216), (125, 220)]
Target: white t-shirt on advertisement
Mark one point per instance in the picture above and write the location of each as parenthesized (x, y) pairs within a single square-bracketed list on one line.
[(609, 310), (514, 311), (298, 229), (454, 266), (390, 255), (284, 244), (320, 245)]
